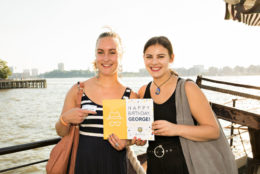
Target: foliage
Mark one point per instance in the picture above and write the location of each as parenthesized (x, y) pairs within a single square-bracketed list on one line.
[(193, 71), (4, 70)]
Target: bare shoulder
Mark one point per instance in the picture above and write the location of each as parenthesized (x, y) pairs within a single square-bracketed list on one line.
[(89, 82), (72, 93), (193, 92), (142, 91), (191, 86)]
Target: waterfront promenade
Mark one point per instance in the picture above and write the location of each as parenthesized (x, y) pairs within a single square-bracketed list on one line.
[(33, 83)]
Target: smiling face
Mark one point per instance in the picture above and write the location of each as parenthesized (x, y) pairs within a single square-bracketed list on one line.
[(107, 55), (157, 60)]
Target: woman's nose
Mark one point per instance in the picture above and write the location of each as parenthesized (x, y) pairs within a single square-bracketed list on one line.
[(154, 61), (106, 56)]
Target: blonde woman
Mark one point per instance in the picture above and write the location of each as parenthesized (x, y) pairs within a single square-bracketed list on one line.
[(95, 155)]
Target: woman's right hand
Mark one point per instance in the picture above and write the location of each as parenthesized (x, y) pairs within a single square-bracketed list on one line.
[(76, 115)]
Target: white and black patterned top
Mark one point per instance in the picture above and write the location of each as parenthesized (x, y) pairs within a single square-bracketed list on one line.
[(93, 123)]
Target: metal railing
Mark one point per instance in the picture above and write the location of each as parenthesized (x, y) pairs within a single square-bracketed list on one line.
[(28, 146)]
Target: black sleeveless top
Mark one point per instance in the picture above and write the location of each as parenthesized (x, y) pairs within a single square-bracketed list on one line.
[(174, 161), (165, 111)]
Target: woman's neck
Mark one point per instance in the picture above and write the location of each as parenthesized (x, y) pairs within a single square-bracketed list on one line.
[(107, 81), (162, 79)]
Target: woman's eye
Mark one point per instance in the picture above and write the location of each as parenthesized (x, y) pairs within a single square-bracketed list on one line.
[(148, 57), (161, 56), (100, 52), (112, 52)]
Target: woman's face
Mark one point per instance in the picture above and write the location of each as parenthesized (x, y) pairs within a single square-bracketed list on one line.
[(157, 60), (107, 55)]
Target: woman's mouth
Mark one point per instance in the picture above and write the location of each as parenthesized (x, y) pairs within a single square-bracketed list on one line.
[(106, 65), (155, 69)]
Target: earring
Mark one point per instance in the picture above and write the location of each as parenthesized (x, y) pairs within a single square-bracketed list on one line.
[(120, 68), (95, 69)]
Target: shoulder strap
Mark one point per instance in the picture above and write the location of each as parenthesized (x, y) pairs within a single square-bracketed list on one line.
[(79, 93), (147, 91), (127, 93), (199, 155)]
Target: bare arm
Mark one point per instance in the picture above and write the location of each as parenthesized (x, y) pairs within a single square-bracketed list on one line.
[(207, 128)]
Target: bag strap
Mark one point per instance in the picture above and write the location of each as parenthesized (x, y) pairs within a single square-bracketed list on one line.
[(79, 93), (74, 131)]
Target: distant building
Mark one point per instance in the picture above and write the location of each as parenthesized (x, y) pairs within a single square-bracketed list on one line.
[(61, 66), (26, 73), (34, 72)]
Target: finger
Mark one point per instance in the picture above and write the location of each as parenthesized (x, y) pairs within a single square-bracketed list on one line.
[(139, 142), (157, 126), (112, 142), (158, 132), (115, 141), (85, 111), (115, 137), (133, 141), (159, 122), (144, 142)]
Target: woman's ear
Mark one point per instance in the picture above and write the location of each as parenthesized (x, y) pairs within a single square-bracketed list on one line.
[(172, 58)]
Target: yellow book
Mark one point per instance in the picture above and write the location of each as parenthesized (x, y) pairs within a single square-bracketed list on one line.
[(128, 118), (114, 118)]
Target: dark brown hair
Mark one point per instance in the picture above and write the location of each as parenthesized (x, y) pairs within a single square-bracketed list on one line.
[(161, 40)]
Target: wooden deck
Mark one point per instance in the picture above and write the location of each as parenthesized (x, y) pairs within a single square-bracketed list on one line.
[(234, 115), (10, 84)]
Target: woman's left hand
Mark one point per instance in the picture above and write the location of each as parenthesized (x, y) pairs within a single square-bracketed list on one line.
[(164, 128), (117, 143)]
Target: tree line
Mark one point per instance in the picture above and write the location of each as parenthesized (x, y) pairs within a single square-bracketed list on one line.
[(195, 70), (4, 70)]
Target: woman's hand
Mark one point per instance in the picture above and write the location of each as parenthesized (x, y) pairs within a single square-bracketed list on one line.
[(138, 141), (117, 143), (76, 115), (164, 128)]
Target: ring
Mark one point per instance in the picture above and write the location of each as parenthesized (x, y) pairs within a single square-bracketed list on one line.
[(116, 144)]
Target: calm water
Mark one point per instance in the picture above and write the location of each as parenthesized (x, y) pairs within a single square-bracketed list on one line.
[(29, 115)]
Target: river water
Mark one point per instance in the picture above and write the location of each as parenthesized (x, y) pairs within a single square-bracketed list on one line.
[(29, 115)]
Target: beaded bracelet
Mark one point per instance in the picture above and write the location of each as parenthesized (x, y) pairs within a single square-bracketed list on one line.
[(63, 122)]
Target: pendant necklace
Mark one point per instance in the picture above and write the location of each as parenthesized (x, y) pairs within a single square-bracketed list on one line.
[(158, 90)]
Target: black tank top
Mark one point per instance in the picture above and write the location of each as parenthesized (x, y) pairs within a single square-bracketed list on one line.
[(165, 111)]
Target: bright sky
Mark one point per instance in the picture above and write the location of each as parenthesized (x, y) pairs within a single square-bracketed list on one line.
[(42, 33)]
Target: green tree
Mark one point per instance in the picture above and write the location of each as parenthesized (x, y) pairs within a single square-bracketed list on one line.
[(4, 70)]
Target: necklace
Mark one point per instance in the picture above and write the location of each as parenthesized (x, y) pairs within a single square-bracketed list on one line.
[(158, 90)]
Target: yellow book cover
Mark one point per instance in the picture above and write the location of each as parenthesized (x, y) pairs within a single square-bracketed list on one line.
[(114, 118)]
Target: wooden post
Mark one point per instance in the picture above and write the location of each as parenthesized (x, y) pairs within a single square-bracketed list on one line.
[(254, 164)]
